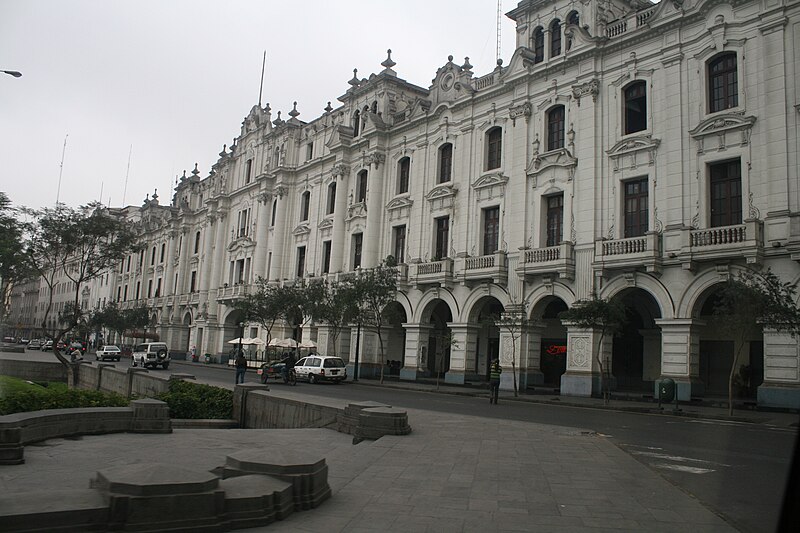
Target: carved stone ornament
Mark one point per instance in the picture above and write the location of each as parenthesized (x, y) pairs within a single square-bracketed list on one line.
[(264, 197), (524, 110), (326, 223), (281, 191), (590, 88), (358, 210), (339, 169), (241, 244), (301, 229), (399, 203), (729, 129), (375, 158), (490, 185), (579, 352)]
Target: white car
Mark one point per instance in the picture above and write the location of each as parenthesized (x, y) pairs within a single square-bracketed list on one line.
[(316, 368), (109, 351), (151, 354)]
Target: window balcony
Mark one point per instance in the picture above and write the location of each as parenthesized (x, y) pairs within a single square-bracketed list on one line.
[(194, 298), (483, 267), (723, 242), (548, 261), (233, 292), (630, 253), (183, 299), (431, 273)]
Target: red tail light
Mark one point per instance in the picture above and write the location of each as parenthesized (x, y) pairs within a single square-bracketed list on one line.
[(322, 372)]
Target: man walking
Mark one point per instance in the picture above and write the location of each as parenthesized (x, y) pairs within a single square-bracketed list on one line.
[(241, 367), (494, 380)]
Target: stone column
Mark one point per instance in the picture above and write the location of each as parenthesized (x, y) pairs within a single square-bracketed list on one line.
[(781, 387), (531, 357), (680, 355), (462, 353), (651, 354), (582, 377), (415, 361), (372, 238), (261, 237), (276, 268), (339, 240), (168, 286), (212, 226)]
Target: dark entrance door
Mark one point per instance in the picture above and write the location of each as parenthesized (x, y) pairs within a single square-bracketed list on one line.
[(554, 361), (716, 358)]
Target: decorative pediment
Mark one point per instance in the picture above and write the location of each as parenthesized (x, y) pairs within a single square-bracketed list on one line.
[(399, 202), (719, 132), (442, 196), (358, 210), (554, 158), (242, 243), (301, 229), (490, 186), (590, 88), (634, 152), (524, 110), (327, 223)]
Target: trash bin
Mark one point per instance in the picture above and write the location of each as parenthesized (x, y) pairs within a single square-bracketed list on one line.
[(207, 358), (666, 390)]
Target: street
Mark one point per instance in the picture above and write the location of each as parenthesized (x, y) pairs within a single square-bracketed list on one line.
[(737, 469)]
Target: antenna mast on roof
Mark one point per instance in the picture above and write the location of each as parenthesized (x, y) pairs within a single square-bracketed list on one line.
[(261, 87), (127, 171), (499, 25)]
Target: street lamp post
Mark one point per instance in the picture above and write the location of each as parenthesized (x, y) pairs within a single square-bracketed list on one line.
[(358, 342), (14, 73), (241, 334)]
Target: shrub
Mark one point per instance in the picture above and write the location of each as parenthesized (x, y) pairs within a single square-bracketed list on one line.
[(57, 398), (197, 401)]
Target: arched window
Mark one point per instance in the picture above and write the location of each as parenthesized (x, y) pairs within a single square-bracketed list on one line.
[(375, 107), (723, 83), (197, 242), (274, 210), (635, 97), (403, 172), (445, 162), (361, 186), (356, 122), (331, 203), (555, 38), (494, 148), (538, 45), (555, 128), (572, 20), (305, 204)]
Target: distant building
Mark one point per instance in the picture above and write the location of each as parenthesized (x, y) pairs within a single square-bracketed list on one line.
[(643, 152)]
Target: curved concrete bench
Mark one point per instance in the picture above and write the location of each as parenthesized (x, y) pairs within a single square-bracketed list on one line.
[(19, 429)]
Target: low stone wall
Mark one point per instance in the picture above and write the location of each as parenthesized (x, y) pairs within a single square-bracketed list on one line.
[(255, 408), (19, 429), (127, 381), (33, 370)]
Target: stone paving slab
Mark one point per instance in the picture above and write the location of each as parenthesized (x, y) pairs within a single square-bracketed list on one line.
[(452, 473)]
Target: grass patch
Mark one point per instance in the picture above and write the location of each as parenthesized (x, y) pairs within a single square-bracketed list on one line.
[(20, 396)]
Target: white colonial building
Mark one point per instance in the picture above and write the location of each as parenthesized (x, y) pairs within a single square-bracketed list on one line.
[(645, 152)]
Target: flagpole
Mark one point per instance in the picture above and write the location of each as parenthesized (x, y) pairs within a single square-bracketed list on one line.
[(261, 86)]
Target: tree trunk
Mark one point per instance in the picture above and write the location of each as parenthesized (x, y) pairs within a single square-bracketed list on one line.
[(599, 356), (513, 364), (736, 354), (383, 356)]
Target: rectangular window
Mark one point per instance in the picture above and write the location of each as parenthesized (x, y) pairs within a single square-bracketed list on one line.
[(128, 269), (636, 107), (326, 257), (301, 261), (197, 242), (445, 163), (636, 212), (331, 199), (310, 151), (163, 251), (491, 230), (357, 243), (726, 193), (138, 289), (149, 288), (125, 296), (248, 171), (400, 243), (494, 148), (361, 193), (193, 282), (555, 219), (403, 173), (442, 238), (555, 128), (239, 271), (158, 288)]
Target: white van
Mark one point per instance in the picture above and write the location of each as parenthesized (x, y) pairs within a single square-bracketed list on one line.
[(151, 354)]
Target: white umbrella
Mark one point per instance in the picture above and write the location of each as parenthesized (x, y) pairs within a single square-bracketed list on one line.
[(255, 341), (308, 344), (283, 343), (237, 340)]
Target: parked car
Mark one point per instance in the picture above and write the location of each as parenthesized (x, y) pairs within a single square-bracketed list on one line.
[(47, 345), (24, 340), (151, 354), (35, 344), (316, 368), (109, 351), (77, 345)]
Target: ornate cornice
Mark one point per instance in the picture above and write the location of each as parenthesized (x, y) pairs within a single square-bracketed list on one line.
[(590, 88)]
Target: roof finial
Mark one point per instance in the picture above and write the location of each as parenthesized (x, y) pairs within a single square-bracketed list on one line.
[(354, 82), (450, 58), (388, 63), (328, 108), (195, 172), (466, 65), (294, 112)]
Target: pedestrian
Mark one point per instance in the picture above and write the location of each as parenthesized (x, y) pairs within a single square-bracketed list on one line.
[(494, 380), (241, 367)]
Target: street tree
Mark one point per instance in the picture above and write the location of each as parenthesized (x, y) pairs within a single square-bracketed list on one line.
[(747, 304), (13, 266), (374, 289), (513, 321), (114, 318), (333, 304), (72, 246), (445, 341), (264, 306), (607, 316)]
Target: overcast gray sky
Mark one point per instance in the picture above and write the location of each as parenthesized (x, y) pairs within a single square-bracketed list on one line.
[(174, 79)]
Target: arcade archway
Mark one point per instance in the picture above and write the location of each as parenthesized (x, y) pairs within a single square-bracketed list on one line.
[(636, 351), (395, 337), (438, 360)]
